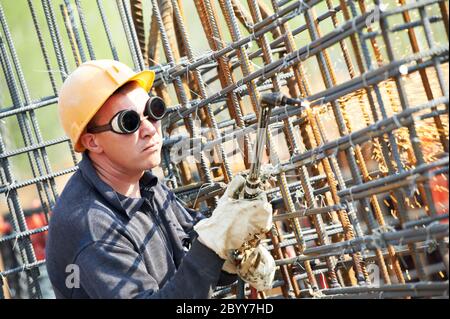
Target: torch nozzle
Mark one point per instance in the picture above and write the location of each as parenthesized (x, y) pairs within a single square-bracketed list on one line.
[(278, 99)]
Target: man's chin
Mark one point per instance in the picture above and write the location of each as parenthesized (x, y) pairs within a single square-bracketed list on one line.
[(152, 162)]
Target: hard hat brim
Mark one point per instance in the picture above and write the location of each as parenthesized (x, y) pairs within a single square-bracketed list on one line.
[(144, 78)]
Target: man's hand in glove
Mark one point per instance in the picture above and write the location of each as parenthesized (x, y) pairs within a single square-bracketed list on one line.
[(257, 267), (235, 220)]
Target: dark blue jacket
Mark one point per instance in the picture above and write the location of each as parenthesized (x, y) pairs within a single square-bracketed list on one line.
[(102, 244)]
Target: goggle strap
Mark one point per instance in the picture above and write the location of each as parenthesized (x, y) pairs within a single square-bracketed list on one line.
[(99, 129)]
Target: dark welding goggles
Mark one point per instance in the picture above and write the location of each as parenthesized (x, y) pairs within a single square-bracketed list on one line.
[(129, 121)]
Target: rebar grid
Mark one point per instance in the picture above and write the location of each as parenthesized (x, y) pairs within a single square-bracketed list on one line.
[(356, 171)]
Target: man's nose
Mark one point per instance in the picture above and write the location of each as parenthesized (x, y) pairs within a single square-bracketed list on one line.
[(148, 128)]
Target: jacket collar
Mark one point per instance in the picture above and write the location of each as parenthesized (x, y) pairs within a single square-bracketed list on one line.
[(119, 202)]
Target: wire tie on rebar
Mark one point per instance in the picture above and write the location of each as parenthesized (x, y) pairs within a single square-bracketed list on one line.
[(7, 192), (319, 200), (297, 53), (334, 151), (350, 141), (364, 79), (263, 75), (302, 4), (297, 263), (5, 283), (196, 117), (252, 34), (187, 73), (165, 77), (285, 109), (355, 29), (198, 193), (389, 228), (428, 230), (431, 246), (240, 83), (318, 294), (307, 50), (378, 234), (168, 178), (195, 93), (281, 66), (296, 12), (16, 238), (353, 247), (413, 186), (396, 121), (303, 209), (291, 162), (342, 259), (219, 41), (364, 247), (350, 194), (211, 57), (178, 109)]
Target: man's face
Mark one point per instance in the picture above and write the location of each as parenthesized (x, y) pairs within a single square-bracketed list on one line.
[(134, 152)]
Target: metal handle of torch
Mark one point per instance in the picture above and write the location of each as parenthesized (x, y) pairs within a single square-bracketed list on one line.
[(252, 183), (268, 101)]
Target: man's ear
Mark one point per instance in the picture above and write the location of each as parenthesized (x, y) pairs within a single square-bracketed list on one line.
[(90, 142)]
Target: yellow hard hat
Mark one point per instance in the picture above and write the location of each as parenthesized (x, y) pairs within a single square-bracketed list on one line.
[(87, 89)]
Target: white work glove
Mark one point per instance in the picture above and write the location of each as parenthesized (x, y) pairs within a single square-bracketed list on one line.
[(234, 220), (256, 268)]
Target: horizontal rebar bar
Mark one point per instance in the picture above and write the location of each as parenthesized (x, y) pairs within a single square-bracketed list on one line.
[(7, 188), (439, 286), (22, 268), (15, 236), (433, 231), (34, 147), (12, 110)]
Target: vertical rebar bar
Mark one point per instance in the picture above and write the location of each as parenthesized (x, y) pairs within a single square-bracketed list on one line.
[(19, 223), (415, 141), (209, 23), (71, 35), (42, 46), (198, 78), (38, 157), (180, 91), (84, 27), (73, 29), (137, 13), (107, 30)]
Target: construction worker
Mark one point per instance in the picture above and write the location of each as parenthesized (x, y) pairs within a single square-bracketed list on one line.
[(116, 231)]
